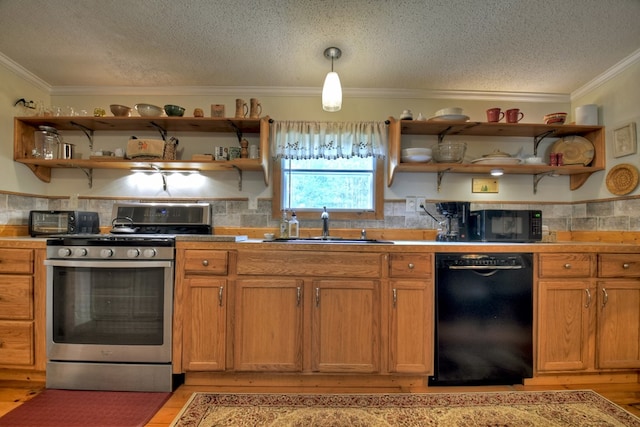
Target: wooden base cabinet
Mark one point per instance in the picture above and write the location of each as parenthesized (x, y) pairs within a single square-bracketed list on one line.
[(268, 325), (565, 312), (618, 312), (410, 301)]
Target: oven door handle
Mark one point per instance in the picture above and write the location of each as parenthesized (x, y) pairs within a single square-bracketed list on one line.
[(107, 264)]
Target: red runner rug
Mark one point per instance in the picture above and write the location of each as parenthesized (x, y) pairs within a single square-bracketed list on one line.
[(77, 408)]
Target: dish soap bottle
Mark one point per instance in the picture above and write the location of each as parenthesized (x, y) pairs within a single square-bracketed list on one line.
[(284, 225), (294, 229)]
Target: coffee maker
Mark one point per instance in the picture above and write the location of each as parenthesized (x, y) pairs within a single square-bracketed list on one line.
[(456, 224)]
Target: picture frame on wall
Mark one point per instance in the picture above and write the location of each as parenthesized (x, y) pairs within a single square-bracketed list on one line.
[(624, 140)]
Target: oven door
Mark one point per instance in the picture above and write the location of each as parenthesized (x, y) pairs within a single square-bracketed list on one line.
[(109, 311)]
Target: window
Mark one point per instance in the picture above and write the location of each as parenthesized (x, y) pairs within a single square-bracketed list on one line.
[(337, 165)]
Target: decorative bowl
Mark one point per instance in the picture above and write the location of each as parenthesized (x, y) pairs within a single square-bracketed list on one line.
[(555, 118), (174, 110), (148, 110), (449, 152), (120, 110), (416, 155), (453, 111)]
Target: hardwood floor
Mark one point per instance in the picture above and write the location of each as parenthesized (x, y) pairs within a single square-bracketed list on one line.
[(14, 393)]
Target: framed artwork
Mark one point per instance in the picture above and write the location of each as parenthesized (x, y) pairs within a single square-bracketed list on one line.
[(624, 140), (484, 185)]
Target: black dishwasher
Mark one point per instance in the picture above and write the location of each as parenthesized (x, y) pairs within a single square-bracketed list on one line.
[(484, 316)]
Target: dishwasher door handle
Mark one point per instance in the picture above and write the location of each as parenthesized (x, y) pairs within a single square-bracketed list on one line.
[(485, 267)]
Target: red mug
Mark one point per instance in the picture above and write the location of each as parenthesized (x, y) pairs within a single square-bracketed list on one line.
[(514, 115), (494, 115)]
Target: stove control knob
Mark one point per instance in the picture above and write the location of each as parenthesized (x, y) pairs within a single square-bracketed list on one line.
[(79, 252), (149, 253), (106, 253), (64, 252), (133, 253)]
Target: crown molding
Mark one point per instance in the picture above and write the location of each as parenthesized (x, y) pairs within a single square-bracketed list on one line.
[(25, 74), (305, 91), (607, 75)]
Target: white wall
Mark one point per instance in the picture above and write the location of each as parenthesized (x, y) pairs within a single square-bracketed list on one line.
[(617, 98)]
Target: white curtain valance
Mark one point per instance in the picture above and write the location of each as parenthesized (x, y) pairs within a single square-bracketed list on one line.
[(328, 140)]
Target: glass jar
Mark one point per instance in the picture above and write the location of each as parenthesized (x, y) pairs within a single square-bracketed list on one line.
[(47, 142)]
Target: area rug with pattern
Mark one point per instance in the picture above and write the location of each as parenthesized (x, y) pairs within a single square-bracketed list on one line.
[(513, 409), (77, 408)]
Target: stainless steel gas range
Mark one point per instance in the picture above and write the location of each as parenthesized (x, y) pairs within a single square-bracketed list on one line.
[(110, 299)]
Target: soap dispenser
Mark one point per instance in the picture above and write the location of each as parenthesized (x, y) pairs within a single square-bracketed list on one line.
[(284, 225), (294, 226)]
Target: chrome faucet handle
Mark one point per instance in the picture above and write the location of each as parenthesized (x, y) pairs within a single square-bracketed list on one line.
[(325, 214), (363, 234)]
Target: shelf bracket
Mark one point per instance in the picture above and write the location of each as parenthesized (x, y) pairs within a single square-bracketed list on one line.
[(440, 175), (239, 177), (538, 177), (444, 133), (163, 131), (538, 139), (87, 132), (89, 174), (238, 131)]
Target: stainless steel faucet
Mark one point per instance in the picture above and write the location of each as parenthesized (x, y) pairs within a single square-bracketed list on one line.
[(325, 223)]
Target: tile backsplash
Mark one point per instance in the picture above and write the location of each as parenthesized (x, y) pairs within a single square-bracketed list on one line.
[(610, 215)]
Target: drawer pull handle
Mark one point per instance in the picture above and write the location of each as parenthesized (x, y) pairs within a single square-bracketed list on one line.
[(317, 297), (626, 265), (220, 293), (588, 304), (567, 266), (411, 266), (395, 297), (298, 296), (205, 262), (605, 297)]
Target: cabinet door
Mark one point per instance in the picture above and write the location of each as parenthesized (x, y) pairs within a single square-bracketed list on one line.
[(345, 328), (16, 343), (16, 297), (205, 324), (564, 318), (411, 327), (618, 315), (268, 325)]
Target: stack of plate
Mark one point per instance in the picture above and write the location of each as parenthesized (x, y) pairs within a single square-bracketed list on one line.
[(449, 114)]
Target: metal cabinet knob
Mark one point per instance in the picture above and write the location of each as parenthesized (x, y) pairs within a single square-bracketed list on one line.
[(567, 266), (626, 265), (411, 266), (205, 262)]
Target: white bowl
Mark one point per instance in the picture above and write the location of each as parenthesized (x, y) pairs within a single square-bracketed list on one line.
[(148, 110), (533, 160), (416, 155), (454, 111)]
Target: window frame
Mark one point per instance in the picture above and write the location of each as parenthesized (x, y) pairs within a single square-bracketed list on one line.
[(378, 194)]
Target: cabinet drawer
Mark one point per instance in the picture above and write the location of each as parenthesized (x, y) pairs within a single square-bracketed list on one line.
[(16, 297), (566, 265), (18, 261), (307, 263), (16, 343), (410, 265), (619, 265), (199, 261)]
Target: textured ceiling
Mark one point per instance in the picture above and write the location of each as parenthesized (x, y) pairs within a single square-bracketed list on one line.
[(488, 45)]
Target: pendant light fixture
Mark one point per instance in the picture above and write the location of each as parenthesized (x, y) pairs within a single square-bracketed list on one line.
[(332, 91)]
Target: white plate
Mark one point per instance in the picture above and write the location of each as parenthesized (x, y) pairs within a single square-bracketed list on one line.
[(416, 158), (450, 118), (497, 161)]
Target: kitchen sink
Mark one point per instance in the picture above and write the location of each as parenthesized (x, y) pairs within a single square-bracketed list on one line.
[(327, 240)]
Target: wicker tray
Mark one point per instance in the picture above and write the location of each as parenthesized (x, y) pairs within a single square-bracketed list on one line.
[(622, 179)]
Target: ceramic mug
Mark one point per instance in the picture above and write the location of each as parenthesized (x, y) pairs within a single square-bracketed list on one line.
[(494, 115), (255, 108), (242, 109), (514, 115), (217, 110)]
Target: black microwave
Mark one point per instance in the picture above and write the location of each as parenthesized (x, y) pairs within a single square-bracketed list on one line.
[(43, 223), (504, 225)]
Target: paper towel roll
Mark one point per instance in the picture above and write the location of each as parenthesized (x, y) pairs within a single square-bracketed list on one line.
[(587, 115)]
